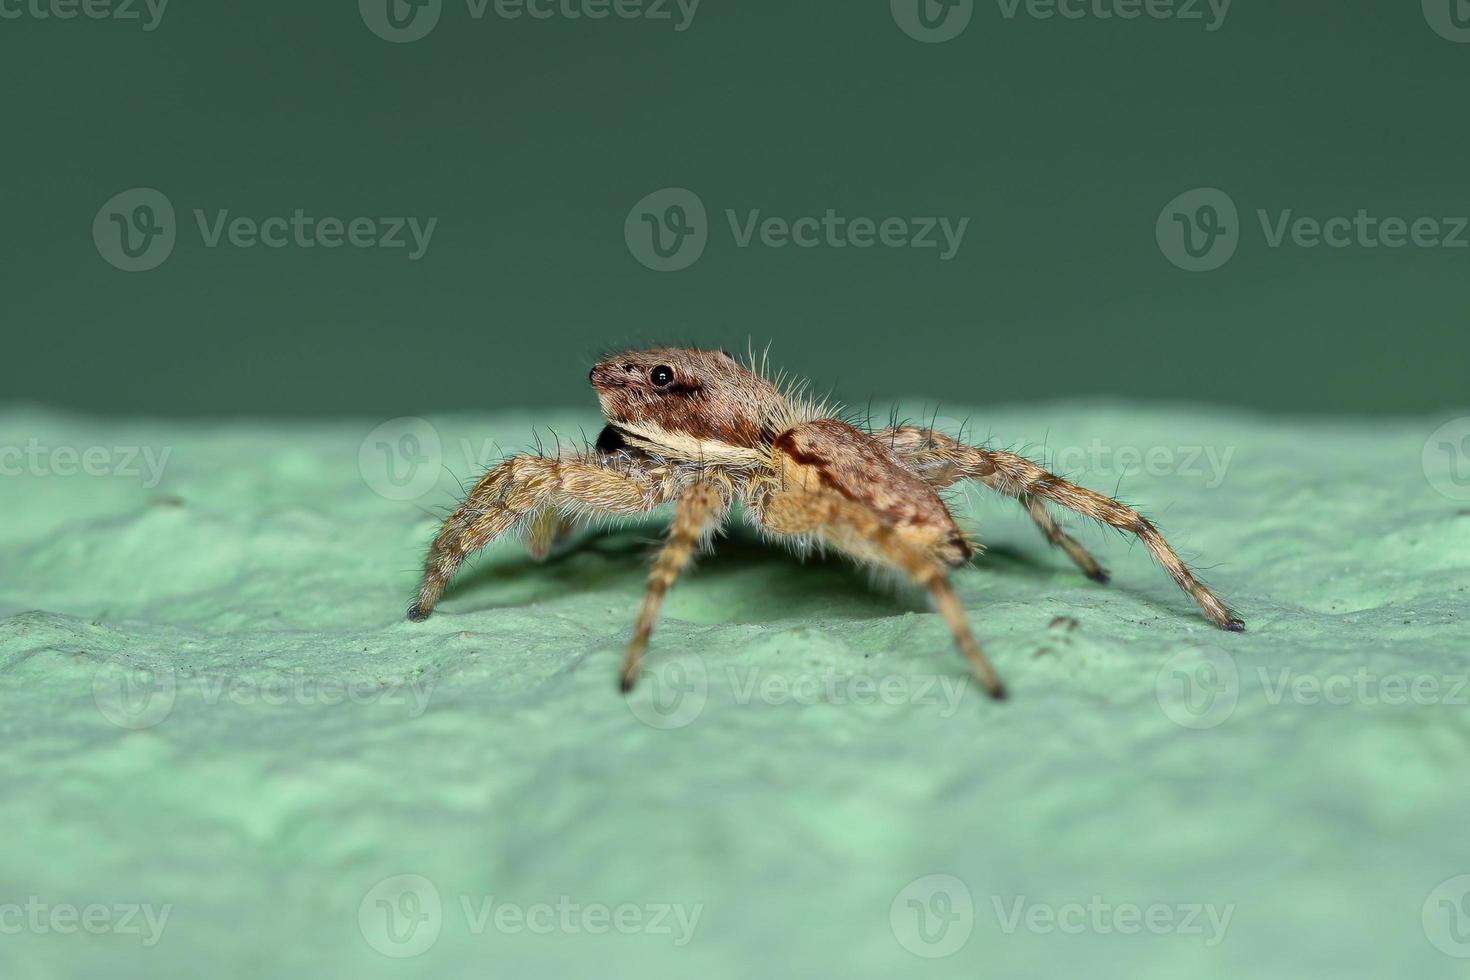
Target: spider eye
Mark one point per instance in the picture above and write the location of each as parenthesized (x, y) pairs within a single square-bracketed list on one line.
[(663, 375)]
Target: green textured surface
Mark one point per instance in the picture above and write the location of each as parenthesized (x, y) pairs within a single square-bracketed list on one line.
[(264, 561)]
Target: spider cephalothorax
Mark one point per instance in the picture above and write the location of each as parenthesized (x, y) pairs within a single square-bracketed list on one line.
[(701, 430), (690, 403)]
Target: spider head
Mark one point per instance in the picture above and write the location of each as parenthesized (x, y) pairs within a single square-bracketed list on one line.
[(676, 398)]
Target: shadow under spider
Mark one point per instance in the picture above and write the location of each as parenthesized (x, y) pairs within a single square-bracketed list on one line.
[(742, 579)]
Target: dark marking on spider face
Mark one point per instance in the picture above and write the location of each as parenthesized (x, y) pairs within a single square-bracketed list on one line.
[(610, 440)]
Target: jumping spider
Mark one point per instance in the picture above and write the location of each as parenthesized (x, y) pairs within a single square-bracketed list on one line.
[(697, 428)]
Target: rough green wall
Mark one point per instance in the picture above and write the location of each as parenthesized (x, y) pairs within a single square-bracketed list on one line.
[(212, 711)]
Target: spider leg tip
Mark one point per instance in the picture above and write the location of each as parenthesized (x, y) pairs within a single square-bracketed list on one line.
[(417, 613), (1101, 576), (1234, 625)]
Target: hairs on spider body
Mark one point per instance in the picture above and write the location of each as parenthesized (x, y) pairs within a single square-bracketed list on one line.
[(702, 430)]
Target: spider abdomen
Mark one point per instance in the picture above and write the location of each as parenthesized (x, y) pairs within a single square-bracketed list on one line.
[(831, 454)]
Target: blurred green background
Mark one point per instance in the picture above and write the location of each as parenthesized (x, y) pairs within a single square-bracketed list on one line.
[(530, 140)]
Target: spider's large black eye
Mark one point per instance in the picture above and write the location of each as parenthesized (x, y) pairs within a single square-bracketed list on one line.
[(663, 375)]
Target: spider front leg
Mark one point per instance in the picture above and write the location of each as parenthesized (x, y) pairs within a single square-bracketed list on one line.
[(943, 460), (550, 527), (860, 532), (547, 528), (522, 486), (697, 513)]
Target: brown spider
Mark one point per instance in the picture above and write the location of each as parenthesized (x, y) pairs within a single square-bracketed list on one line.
[(698, 428)]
